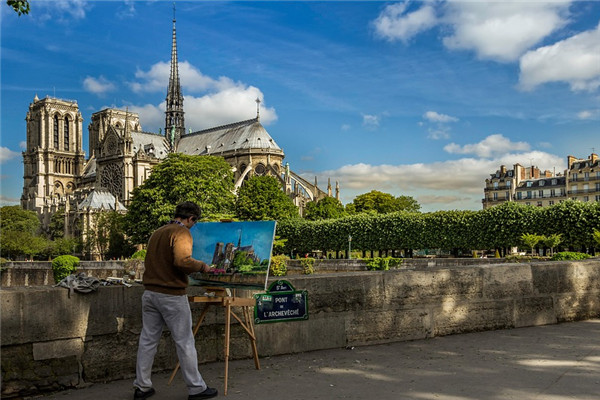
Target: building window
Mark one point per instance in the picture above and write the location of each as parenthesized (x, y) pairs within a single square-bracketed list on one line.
[(56, 131), (563, 192), (551, 203), (507, 195), (539, 203), (574, 189), (552, 193), (542, 183), (541, 193), (598, 175), (574, 176), (597, 197), (66, 134), (260, 169), (508, 184), (586, 176), (586, 188), (509, 173), (529, 194), (554, 181), (586, 198), (529, 184), (495, 185), (597, 187), (519, 195), (495, 196)]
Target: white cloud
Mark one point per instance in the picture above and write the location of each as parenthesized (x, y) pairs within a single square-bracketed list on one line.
[(59, 10), (192, 79), (23, 145), (395, 23), (225, 107), (491, 145), (221, 101), (7, 154), (502, 31), (436, 117), (441, 132), (575, 60), (370, 121), (452, 184), (345, 127), (585, 114), (98, 86)]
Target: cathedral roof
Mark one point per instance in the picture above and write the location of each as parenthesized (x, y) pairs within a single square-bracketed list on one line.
[(100, 199), (243, 135), (151, 143)]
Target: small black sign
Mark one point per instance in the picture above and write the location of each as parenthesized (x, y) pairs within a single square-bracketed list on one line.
[(281, 303)]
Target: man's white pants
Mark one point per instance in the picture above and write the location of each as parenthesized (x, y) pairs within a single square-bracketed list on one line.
[(160, 309)]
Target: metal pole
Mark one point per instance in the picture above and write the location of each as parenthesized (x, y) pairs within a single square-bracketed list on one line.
[(349, 247)]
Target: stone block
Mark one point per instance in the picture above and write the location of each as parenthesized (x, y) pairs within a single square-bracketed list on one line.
[(57, 349), (325, 331), (452, 317), (371, 327), (578, 306), (507, 281), (534, 311)]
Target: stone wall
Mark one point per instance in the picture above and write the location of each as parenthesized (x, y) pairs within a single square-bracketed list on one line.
[(39, 273), (52, 341)]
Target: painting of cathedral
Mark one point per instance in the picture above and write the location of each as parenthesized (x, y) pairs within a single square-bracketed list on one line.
[(243, 246), (58, 175)]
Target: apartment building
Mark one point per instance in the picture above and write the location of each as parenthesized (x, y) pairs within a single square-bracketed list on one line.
[(531, 186), (583, 178)]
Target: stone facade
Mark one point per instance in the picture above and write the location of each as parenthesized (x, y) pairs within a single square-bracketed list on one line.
[(580, 181)]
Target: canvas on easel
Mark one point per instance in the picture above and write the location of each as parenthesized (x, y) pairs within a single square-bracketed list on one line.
[(241, 247)]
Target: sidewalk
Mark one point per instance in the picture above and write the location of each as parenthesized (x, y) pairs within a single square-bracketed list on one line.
[(552, 362)]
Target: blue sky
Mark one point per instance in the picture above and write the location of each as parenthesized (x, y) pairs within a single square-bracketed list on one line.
[(424, 99)]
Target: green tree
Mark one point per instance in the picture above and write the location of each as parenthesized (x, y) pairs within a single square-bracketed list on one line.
[(531, 240), (205, 180), (383, 203), (597, 236), (19, 233), (261, 198), (552, 241), (56, 228), (20, 6), (326, 208)]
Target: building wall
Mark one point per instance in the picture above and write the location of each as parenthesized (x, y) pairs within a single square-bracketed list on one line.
[(52, 341), (530, 186)]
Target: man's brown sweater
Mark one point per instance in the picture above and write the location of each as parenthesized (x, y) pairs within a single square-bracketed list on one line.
[(169, 260)]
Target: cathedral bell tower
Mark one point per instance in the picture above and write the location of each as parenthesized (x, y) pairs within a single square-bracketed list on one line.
[(174, 120), (54, 158)]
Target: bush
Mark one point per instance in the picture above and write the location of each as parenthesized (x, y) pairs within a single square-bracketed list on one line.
[(63, 266), (138, 255), (308, 265), (569, 255), (382, 263), (278, 267)]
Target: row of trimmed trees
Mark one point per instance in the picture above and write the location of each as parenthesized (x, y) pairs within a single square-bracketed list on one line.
[(501, 228)]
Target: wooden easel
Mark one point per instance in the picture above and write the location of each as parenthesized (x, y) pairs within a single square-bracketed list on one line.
[(221, 298)]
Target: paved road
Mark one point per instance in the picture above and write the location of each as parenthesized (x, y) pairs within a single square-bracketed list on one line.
[(553, 362)]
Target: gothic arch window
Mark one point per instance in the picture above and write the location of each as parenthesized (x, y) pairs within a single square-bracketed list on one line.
[(56, 131), (112, 179), (66, 133)]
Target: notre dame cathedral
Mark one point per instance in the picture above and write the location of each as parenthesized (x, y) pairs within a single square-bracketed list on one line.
[(58, 176)]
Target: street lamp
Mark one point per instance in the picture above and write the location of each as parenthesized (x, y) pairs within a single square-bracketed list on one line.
[(349, 247)]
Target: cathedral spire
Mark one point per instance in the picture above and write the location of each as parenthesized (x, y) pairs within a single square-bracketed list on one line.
[(174, 120)]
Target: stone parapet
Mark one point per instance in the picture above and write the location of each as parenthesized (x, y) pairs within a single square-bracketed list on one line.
[(51, 341)]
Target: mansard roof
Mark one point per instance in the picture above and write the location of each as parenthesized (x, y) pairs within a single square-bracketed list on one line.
[(543, 182), (100, 199), (243, 135)]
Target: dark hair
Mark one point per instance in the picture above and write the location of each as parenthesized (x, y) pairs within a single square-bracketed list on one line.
[(187, 209)]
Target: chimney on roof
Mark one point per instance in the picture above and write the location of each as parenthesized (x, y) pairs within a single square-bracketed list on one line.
[(594, 157)]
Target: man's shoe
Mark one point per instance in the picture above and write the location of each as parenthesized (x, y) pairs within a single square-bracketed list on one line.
[(207, 394), (140, 394)]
